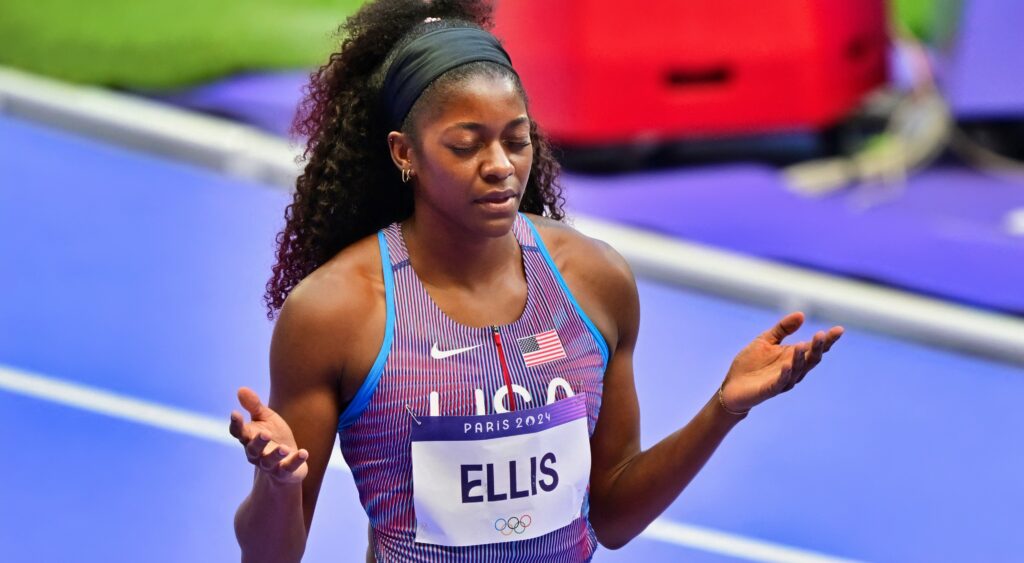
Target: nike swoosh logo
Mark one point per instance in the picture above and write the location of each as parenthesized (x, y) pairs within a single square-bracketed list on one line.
[(442, 354)]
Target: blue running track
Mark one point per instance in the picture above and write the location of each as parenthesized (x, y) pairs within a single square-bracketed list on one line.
[(143, 277)]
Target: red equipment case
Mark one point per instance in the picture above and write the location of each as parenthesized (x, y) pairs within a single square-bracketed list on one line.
[(602, 72)]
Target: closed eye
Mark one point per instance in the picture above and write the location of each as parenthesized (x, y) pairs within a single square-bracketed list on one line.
[(463, 150)]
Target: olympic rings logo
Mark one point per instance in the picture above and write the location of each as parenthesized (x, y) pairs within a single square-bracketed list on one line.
[(516, 524)]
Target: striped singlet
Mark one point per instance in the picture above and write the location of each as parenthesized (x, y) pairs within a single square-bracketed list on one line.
[(405, 380)]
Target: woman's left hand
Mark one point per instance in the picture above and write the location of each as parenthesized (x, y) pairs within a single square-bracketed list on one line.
[(766, 367)]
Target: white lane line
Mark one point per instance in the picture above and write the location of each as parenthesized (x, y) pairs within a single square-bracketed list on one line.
[(124, 407), (145, 125), (749, 279), (216, 429), (734, 545)]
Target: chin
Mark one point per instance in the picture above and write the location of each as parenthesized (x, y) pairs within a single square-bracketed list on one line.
[(494, 225)]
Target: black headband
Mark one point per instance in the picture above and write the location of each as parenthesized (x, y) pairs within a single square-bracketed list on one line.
[(429, 56)]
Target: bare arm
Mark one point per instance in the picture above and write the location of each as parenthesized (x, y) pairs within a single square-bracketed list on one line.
[(273, 522), (630, 487), (326, 338)]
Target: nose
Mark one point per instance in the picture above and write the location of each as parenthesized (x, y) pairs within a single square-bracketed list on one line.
[(497, 166)]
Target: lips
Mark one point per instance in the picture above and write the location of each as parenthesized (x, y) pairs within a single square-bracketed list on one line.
[(498, 196), (505, 201), (500, 202)]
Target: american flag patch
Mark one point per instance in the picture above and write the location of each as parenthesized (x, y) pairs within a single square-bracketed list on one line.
[(541, 348)]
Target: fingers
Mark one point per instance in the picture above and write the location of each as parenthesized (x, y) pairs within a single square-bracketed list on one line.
[(813, 355), (238, 429), (251, 402), (788, 373), (293, 461), (272, 458), (278, 460), (817, 349), (281, 461), (793, 372), (821, 342), (785, 327), (833, 334), (799, 358), (257, 446)]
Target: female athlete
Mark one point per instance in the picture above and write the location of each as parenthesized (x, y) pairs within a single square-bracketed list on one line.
[(471, 351)]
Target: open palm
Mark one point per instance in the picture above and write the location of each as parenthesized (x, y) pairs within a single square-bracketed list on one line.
[(268, 440), (766, 367)]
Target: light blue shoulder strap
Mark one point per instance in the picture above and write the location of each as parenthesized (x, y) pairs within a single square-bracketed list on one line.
[(598, 337), (365, 392)]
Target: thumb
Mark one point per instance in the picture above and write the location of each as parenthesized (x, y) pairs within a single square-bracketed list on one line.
[(788, 325), (251, 402)]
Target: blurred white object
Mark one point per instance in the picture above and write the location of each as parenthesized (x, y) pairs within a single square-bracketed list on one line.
[(918, 130), (1014, 222)]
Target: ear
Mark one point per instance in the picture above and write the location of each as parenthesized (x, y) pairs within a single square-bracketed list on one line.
[(401, 150)]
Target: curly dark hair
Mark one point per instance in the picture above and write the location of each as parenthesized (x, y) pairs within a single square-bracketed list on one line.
[(350, 188)]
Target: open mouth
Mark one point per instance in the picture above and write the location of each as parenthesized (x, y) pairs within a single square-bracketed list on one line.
[(499, 202)]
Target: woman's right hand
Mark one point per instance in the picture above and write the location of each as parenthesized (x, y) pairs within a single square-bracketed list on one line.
[(268, 441)]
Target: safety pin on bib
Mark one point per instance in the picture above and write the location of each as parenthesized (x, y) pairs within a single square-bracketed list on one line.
[(412, 414)]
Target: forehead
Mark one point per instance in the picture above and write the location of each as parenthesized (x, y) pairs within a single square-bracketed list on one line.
[(488, 100)]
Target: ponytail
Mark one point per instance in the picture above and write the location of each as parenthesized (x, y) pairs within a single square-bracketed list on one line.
[(349, 187)]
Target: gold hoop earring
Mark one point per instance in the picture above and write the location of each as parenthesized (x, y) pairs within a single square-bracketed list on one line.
[(406, 175)]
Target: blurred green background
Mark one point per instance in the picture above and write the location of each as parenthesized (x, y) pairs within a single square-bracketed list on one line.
[(155, 44), (163, 44)]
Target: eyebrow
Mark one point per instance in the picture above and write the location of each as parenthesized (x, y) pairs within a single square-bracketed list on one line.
[(474, 126)]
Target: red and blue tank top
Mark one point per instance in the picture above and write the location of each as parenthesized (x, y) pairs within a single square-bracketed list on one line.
[(429, 365)]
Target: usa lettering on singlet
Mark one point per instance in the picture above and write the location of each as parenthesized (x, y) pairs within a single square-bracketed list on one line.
[(445, 469)]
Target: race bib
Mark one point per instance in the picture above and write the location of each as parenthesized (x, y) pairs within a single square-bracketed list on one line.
[(502, 477)]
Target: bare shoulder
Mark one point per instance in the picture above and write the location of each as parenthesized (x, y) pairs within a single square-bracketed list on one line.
[(332, 322), (570, 246), (597, 275)]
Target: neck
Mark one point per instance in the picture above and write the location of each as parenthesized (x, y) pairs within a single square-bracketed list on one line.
[(447, 255)]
